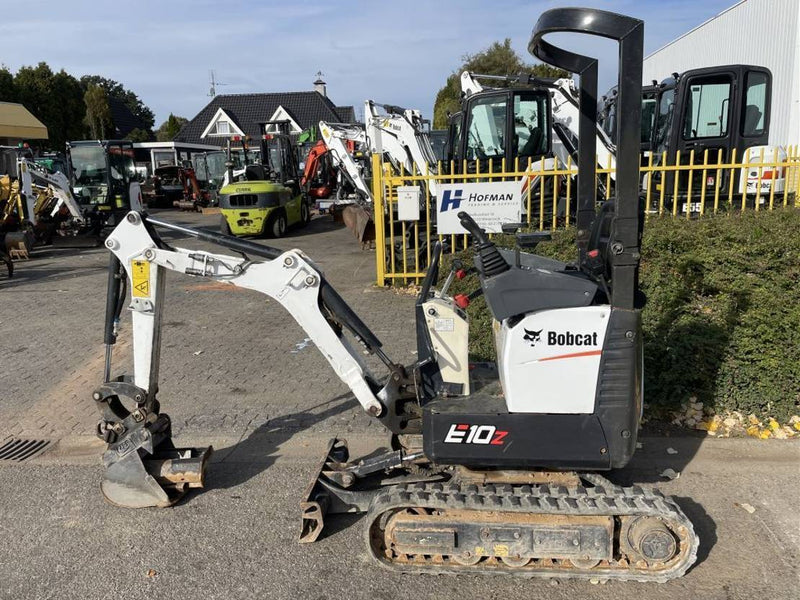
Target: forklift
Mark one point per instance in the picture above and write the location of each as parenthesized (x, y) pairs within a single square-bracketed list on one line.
[(491, 473), (266, 199)]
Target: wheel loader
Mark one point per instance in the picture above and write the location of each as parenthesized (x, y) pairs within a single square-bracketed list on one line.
[(487, 473)]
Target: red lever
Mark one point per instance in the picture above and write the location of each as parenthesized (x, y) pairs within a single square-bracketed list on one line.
[(461, 300), (460, 274), (593, 253)]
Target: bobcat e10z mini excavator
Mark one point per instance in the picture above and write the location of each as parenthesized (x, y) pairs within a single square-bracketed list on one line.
[(494, 476)]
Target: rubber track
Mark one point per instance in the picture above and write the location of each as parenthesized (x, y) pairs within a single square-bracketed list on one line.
[(600, 500)]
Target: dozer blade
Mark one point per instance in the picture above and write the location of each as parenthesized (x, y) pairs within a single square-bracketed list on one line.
[(157, 480), (332, 490)]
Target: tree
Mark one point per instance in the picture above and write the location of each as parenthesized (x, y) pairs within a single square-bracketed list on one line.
[(497, 59), (56, 99), (114, 89), (139, 135), (170, 128), (98, 114), (8, 92)]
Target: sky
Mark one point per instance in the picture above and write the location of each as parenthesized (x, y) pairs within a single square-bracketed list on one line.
[(392, 52)]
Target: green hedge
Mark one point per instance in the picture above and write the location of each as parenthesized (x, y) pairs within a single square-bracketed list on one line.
[(722, 320)]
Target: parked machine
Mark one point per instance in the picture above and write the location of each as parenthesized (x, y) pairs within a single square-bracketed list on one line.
[(722, 110), (38, 206), (266, 199), (484, 118), (104, 179), (490, 474), (319, 175)]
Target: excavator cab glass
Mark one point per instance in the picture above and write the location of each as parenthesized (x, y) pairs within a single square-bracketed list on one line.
[(500, 125)]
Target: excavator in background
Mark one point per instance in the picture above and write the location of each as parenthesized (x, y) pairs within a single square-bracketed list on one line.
[(491, 472), (103, 179), (723, 110), (398, 135), (39, 206), (484, 117), (319, 175)]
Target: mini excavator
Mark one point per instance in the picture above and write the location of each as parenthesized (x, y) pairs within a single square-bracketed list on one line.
[(495, 474)]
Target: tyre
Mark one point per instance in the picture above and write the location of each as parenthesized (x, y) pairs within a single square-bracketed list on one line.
[(224, 228), (276, 226), (6, 266), (305, 214)]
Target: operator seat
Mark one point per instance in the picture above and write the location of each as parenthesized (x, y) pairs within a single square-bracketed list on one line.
[(255, 173), (752, 115)]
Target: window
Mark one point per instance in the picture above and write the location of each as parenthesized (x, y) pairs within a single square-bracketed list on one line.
[(648, 119), (223, 128), (487, 128), (755, 104), (707, 105), (664, 123), (530, 125)]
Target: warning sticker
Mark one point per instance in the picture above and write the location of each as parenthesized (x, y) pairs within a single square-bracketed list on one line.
[(140, 274)]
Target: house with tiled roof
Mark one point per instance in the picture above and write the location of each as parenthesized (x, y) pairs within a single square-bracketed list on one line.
[(243, 114)]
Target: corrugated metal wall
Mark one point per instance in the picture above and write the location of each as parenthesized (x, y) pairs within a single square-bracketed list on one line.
[(755, 32)]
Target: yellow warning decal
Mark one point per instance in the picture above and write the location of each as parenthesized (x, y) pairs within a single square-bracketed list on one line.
[(140, 273), (500, 550)]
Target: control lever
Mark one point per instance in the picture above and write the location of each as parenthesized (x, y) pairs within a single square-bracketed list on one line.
[(489, 261)]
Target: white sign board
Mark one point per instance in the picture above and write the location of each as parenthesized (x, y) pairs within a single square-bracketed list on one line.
[(408, 203), (490, 204)]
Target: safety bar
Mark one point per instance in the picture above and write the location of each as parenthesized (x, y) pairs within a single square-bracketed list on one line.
[(629, 32)]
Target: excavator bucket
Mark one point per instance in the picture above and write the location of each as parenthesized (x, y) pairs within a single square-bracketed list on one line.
[(359, 220), (159, 480)]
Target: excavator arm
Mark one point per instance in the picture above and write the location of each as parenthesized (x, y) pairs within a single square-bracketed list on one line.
[(143, 468)]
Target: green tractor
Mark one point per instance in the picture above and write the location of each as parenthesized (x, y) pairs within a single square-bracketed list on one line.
[(265, 198)]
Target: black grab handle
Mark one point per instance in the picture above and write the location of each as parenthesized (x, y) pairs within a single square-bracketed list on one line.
[(468, 223)]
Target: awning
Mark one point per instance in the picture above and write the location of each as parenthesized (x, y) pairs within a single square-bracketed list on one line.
[(18, 123)]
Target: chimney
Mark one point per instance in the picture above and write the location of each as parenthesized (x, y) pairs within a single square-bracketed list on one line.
[(319, 84)]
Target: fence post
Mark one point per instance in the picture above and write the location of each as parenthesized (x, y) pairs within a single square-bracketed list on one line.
[(377, 215)]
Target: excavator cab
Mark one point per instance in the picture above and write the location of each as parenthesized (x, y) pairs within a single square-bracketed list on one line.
[(103, 177), (498, 129)]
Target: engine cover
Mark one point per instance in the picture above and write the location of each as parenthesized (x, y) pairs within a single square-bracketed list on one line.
[(549, 360)]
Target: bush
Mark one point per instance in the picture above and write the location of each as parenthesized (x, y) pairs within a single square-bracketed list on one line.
[(722, 319)]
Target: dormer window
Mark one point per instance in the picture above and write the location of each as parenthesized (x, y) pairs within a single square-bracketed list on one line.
[(221, 125)]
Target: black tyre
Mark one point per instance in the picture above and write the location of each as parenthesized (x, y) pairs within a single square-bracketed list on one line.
[(276, 225), (305, 214), (224, 228), (6, 266)]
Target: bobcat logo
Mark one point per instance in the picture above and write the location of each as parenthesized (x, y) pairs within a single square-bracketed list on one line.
[(532, 336)]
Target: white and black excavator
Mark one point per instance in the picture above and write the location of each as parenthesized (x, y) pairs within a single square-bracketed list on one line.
[(715, 115), (486, 474)]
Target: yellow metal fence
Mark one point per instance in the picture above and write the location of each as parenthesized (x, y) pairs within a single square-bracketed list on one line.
[(686, 186)]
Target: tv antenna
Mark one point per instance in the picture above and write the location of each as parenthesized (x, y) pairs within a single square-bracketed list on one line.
[(214, 83)]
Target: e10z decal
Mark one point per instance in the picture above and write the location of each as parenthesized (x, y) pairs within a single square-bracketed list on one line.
[(463, 433)]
